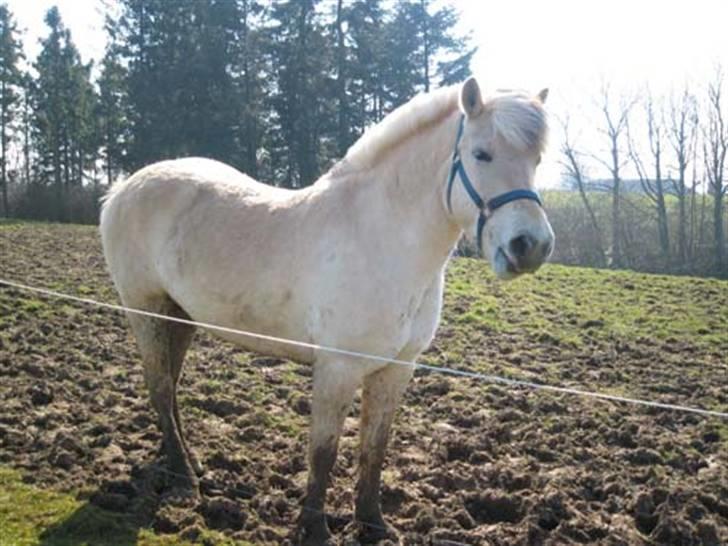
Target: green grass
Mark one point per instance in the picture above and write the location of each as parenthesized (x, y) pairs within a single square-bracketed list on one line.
[(30, 516), (573, 304)]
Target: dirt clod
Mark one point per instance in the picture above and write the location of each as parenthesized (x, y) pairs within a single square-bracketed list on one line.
[(469, 462), (223, 513), (41, 395), (494, 507)]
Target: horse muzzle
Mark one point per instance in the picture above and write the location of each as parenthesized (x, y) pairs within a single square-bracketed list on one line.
[(524, 253)]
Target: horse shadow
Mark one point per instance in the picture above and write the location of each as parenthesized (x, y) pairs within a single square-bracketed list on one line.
[(114, 515), (91, 525)]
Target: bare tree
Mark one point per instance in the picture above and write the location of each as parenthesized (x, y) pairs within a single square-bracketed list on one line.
[(653, 187), (697, 228), (575, 170), (614, 129), (715, 150), (682, 133)]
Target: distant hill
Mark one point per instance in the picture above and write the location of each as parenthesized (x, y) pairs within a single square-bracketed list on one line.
[(605, 185)]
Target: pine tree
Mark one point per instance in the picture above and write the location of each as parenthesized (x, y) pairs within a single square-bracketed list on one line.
[(84, 134), (421, 46), (358, 40), (436, 38), (10, 85), (402, 76), (456, 68), (342, 75), (112, 113), (250, 67), (26, 118), (63, 122), (182, 94), (367, 63), (302, 101), (278, 90)]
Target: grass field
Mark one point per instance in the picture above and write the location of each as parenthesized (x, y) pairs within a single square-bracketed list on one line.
[(471, 462)]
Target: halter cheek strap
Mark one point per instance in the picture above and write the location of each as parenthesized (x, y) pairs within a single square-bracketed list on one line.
[(485, 208)]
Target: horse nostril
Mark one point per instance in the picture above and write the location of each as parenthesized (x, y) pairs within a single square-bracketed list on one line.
[(521, 245)]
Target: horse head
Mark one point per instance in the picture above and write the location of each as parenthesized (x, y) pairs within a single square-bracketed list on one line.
[(490, 188)]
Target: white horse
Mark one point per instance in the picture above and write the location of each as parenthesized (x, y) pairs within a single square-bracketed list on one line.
[(355, 261)]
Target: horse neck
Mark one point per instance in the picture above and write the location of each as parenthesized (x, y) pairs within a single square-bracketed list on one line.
[(406, 190)]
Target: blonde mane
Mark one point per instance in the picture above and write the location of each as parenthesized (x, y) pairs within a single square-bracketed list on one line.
[(407, 120), (517, 117)]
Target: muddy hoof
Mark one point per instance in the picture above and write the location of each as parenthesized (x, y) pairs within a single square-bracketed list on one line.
[(181, 496), (185, 486), (311, 539), (315, 533)]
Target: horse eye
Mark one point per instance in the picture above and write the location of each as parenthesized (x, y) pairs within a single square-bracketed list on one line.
[(482, 155)]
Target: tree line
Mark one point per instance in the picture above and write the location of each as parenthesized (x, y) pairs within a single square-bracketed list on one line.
[(662, 207), (279, 90)]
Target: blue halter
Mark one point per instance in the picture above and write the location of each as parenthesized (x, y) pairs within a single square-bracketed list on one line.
[(486, 208)]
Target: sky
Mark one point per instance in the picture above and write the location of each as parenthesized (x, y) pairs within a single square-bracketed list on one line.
[(85, 19), (569, 46), (573, 47)]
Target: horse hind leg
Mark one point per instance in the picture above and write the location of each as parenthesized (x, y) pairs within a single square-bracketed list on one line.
[(176, 373), (163, 345)]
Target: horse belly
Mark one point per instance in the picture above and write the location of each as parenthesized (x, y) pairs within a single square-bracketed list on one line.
[(269, 347), (425, 321), (261, 313)]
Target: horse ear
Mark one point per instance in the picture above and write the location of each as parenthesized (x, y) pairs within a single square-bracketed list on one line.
[(471, 103), (543, 95)]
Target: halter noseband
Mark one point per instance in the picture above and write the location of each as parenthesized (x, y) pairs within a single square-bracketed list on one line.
[(486, 208)]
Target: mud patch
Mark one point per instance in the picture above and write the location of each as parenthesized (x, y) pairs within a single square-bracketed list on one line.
[(470, 463)]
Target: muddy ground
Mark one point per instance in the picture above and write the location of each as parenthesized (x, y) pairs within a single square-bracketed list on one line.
[(470, 463)]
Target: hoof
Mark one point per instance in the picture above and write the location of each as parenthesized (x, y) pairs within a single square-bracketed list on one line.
[(307, 538), (313, 531), (183, 485), (181, 497)]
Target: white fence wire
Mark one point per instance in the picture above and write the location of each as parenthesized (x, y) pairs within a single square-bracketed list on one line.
[(334, 350)]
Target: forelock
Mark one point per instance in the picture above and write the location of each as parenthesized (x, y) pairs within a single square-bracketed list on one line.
[(519, 119)]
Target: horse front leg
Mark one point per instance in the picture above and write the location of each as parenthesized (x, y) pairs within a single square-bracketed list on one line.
[(381, 395), (333, 392)]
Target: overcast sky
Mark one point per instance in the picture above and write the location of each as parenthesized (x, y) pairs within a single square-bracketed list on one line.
[(569, 46)]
